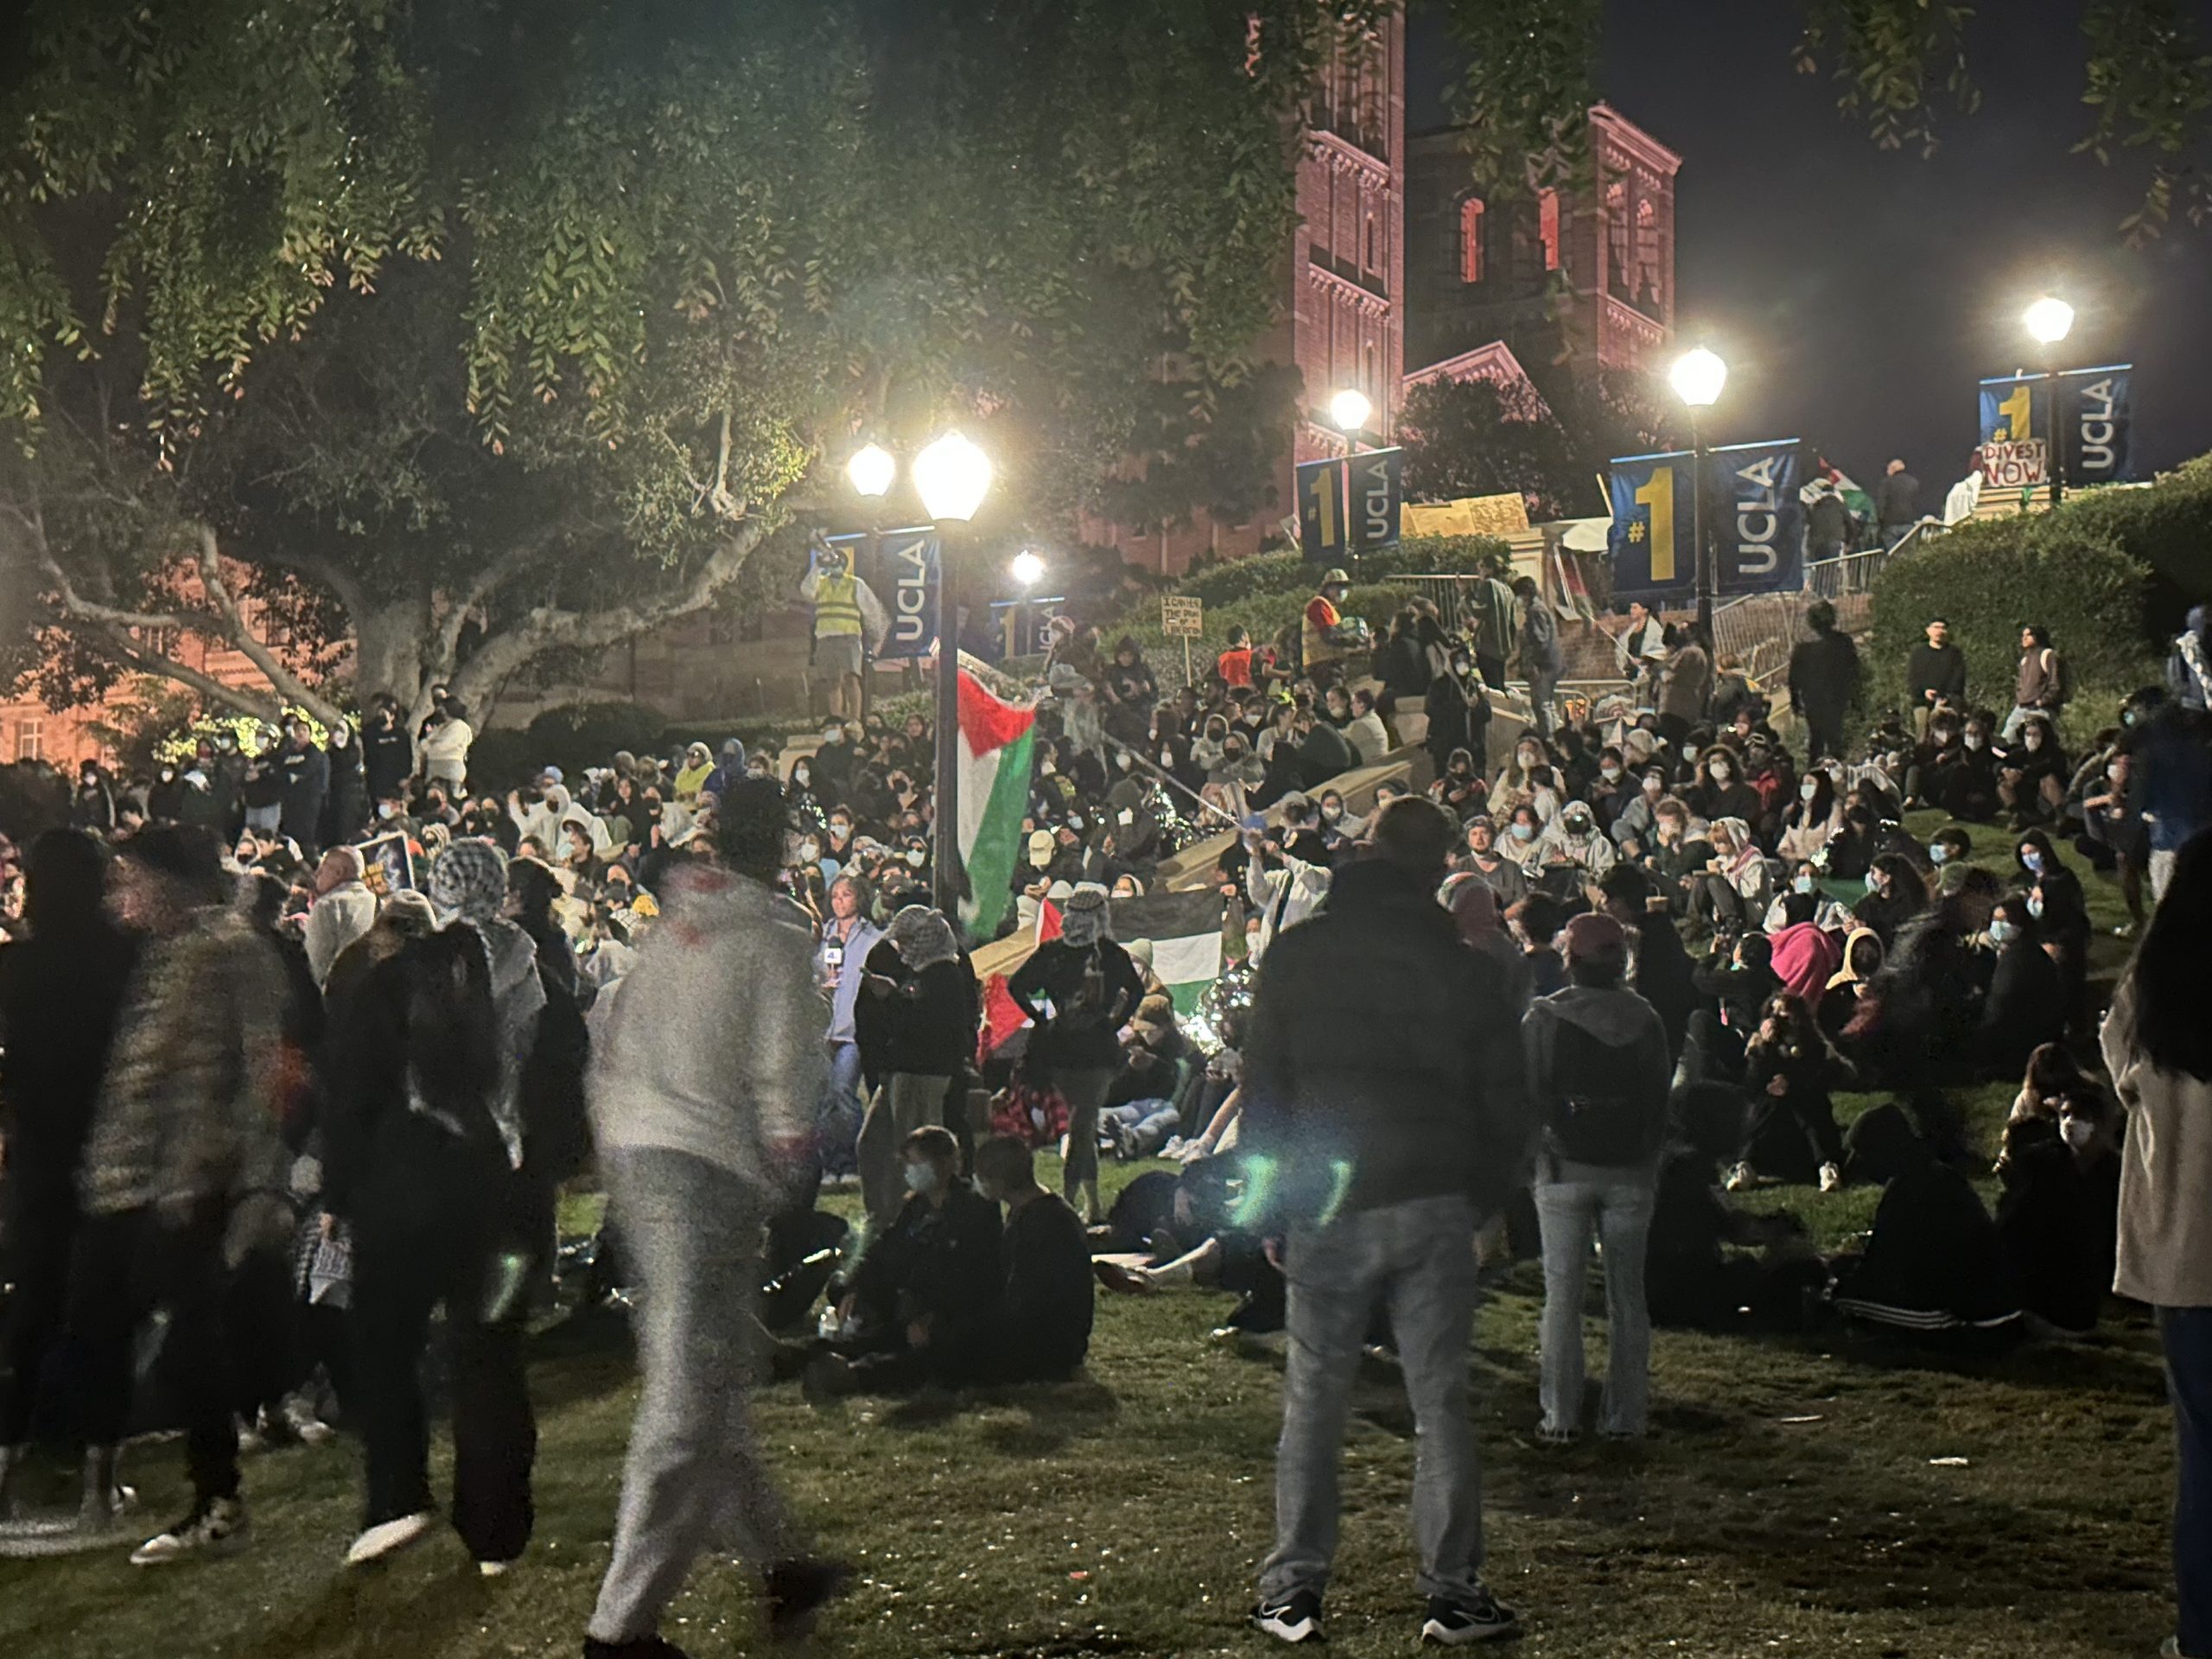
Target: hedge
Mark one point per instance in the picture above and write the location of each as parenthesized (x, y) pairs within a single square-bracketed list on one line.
[(2073, 571)]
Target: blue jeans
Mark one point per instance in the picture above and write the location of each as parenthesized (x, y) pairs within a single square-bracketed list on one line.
[(837, 1121), (1619, 1214), (2187, 1334), (1417, 1259)]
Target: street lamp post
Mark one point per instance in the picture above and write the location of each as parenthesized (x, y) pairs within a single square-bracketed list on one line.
[(951, 476), (2048, 320), (1350, 411), (1697, 378)]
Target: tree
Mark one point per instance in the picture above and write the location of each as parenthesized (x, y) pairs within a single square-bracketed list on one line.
[(481, 331), (2147, 80), (1472, 437)]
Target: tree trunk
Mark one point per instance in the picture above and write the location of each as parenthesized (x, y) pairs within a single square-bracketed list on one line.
[(389, 642)]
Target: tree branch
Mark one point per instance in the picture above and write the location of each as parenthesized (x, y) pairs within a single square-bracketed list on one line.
[(72, 604), (116, 643), (290, 687)]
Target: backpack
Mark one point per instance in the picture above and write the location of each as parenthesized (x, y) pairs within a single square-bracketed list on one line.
[(1600, 1112)]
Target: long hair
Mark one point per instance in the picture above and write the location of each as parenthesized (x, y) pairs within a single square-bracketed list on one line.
[(2170, 1030)]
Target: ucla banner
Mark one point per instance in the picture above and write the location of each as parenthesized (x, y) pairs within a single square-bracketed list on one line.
[(1352, 505), (2093, 423), (1755, 523), (2099, 409), (1653, 535), (900, 568)]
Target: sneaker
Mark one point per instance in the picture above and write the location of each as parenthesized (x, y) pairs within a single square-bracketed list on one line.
[(1740, 1178), (797, 1593), (388, 1538), (495, 1569), (1831, 1179), (1293, 1617), (646, 1647), (307, 1427), (1548, 1435), (215, 1528), (1482, 1617)]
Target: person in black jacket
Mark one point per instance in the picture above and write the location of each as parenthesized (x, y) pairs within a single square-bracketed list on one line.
[(1458, 715), (925, 1295), (915, 1023), (345, 808), (1079, 990), (2057, 901), (1935, 675), (1664, 975), (1384, 1121), (387, 755), (60, 992), (2026, 1003), (1040, 1329), (416, 1163), (2059, 1216), (303, 783), (1824, 681)]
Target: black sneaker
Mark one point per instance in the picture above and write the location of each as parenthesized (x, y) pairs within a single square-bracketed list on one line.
[(798, 1592), (215, 1526), (1293, 1617), (646, 1647), (1481, 1617)]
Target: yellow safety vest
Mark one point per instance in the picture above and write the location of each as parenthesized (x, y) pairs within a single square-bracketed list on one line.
[(836, 606)]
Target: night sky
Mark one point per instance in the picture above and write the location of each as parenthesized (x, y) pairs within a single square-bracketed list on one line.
[(1858, 294)]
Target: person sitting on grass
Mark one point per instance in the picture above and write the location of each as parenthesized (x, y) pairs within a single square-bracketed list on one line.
[(2026, 1002), (1934, 1267), (1789, 1070), (2059, 1216), (1041, 1328), (924, 1294), (1698, 1272)]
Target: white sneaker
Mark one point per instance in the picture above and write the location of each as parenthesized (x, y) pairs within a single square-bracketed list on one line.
[(300, 1417), (215, 1527), (1740, 1178), (495, 1569), (388, 1538), (1831, 1179)]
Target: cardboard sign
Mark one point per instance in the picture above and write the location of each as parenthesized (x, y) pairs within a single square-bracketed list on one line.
[(2014, 463), (1182, 616)]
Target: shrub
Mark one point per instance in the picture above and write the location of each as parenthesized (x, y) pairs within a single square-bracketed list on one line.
[(1989, 577)]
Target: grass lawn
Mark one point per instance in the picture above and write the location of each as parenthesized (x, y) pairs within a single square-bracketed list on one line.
[(1788, 1501)]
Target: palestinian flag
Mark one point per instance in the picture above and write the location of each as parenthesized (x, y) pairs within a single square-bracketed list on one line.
[(1185, 929), (996, 740)]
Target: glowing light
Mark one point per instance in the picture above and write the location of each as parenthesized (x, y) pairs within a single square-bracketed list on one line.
[(2049, 320), (871, 470), (1350, 409), (952, 477), (1028, 568), (1698, 377)]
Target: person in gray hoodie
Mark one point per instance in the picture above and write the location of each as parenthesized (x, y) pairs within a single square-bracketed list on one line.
[(1598, 1072), (703, 1096)]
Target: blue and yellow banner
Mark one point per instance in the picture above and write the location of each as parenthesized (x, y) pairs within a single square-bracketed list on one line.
[(1352, 505), (1755, 521), (900, 568), (1652, 538), (2095, 421)]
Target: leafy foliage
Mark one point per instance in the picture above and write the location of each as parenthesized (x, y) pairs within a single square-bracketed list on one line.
[(2089, 568), (1468, 437)]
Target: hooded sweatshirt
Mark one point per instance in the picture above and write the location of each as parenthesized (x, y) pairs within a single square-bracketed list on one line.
[(714, 1047), (1621, 1021)]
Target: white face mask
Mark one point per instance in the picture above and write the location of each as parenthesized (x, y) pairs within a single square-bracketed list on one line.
[(921, 1177), (915, 855), (2077, 1132), (1806, 790), (809, 851), (1722, 773), (1611, 774), (802, 777), (1653, 785), (1973, 739)]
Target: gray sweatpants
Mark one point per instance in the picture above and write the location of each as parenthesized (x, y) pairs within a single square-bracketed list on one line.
[(1418, 1260), (904, 1102), (694, 1480)]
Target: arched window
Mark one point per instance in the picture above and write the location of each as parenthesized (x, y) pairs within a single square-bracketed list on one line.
[(1470, 240), (1646, 250), (1616, 235), (1548, 227)]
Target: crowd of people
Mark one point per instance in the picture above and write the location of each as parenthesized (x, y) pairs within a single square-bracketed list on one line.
[(302, 1044)]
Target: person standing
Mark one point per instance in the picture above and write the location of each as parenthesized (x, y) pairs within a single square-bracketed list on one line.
[(184, 1174), (847, 939), (1934, 675), (1322, 629), (446, 739), (1829, 529), (702, 1095), (344, 910), (1640, 650), (846, 615), (1079, 990), (60, 992), (1897, 503), (1494, 609), (345, 808), (1598, 1072), (1382, 1124), (1824, 682), (305, 772), (2157, 1048), (1685, 685), (2040, 688), (1539, 654), (916, 1026), (387, 753)]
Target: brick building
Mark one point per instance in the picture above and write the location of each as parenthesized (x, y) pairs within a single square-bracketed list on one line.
[(1479, 269), (1344, 316)]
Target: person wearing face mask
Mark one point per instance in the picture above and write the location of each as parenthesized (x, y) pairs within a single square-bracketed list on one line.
[(165, 796), (2059, 1214), (1516, 785), (921, 1303), (915, 1023), (2026, 999), (1615, 791), (345, 806), (1633, 830), (2031, 775), (1812, 820), (1957, 771), (1459, 788), (1369, 738), (92, 807), (1895, 894), (1338, 828), (387, 750), (1459, 709), (1571, 842), (2061, 909), (2112, 820), (1079, 990), (1523, 842), (1719, 791)]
